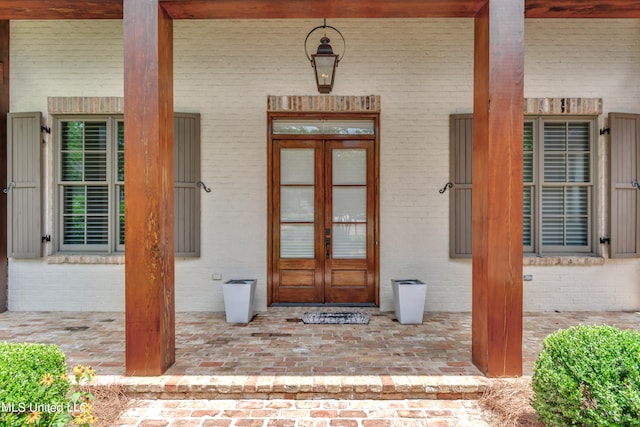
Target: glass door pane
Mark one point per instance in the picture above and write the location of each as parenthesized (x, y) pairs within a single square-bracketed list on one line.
[(297, 196), (349, 203), (296, 241), (349, 166)]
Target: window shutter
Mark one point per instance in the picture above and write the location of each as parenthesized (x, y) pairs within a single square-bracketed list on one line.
[(625, 198), (565, 200), (460, 171), (24, 237), (187, 192)]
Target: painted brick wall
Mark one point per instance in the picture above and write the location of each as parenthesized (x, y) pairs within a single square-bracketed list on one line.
[(423, 72)]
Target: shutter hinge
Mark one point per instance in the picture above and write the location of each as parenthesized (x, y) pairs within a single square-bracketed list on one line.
[(605, 130), (45, 129), (46, 238), (604, 240)]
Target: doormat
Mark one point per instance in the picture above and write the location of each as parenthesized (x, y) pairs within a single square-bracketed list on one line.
[(336, 317)]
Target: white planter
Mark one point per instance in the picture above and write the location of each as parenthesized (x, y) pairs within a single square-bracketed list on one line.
[(238, 299), (409, 296)]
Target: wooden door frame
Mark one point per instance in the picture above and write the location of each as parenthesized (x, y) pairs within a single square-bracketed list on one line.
[(270, 184)]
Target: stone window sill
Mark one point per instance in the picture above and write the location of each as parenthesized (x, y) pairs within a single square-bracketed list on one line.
[(562, 260), (115, 259), (85, 259)]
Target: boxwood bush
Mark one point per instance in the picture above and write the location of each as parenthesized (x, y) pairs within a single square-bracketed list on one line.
[(33, 384), (588, 376)]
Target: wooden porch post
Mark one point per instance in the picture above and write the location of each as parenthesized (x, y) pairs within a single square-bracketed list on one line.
[(149, 180), (4, 109), (497, 188)]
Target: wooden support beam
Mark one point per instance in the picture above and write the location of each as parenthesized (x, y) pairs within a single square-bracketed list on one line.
[(149, 181), (4, 109), (497, 188), (60, 9), (582, 9), (314, 9), (318, 9), (292, 9)]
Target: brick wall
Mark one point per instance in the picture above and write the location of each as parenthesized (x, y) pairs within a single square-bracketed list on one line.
[(422, 70)]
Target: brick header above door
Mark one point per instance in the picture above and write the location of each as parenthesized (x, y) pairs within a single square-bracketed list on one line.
[(327, 103)]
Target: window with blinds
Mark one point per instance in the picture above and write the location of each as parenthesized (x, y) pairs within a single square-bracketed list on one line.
[(120, 184), (528, 204), (557, 185), (91, 184), (84, 184), (566, 186)]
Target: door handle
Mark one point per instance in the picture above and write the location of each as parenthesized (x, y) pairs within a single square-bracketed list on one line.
[(327, 246)]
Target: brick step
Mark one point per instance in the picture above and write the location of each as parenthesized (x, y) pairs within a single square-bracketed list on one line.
[(355, 387)]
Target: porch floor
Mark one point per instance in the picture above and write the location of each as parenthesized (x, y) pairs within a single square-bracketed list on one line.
[(277, 356)]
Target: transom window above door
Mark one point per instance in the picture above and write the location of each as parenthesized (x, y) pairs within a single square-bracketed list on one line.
[(323, 126)]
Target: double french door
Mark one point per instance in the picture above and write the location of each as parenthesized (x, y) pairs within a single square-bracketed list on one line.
[(323, 221)]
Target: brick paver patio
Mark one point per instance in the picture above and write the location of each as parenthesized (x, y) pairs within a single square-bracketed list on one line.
[(277, 358)]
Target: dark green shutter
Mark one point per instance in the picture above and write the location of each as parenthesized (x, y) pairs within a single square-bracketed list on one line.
[(187, 192), (460, 171), (625, 197), (24, 236)]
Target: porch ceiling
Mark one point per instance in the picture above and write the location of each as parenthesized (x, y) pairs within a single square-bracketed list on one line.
[(289, 9)]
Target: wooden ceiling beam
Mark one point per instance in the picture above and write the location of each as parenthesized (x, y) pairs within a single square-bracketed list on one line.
[(60, 9), (582, 9), (314, 9), (310, 9)]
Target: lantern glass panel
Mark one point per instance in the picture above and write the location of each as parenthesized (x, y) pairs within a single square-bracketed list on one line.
[(325, 68)]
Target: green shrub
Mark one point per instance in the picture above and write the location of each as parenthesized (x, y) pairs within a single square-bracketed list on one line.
[(588, 376), (33, 382)]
